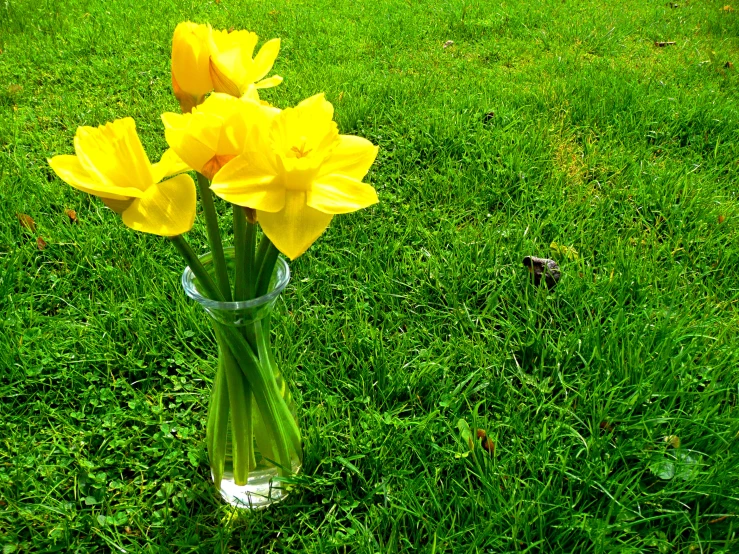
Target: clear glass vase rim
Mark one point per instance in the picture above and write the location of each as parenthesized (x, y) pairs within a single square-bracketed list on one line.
[(188, 283)]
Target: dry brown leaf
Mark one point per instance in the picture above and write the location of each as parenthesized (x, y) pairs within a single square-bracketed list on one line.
[(485, 441), (72, 215), (26, 221), (41, 243), (727, 8), (606, 426), (721, 219)]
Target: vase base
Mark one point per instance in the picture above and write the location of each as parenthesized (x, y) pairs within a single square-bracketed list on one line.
[(261, 489)]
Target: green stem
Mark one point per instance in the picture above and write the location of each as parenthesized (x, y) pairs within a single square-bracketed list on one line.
[(289, 426), (259, 374), (205, 283), (214, 237), (240, 401), (267, 269), (264, 245), (251, 267), (242, 268), (204, 280), (217, 429), (273, 410), (245, 237), (264, 348), (281, 385)]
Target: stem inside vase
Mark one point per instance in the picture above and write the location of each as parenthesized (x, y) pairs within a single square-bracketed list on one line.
[(252, 433)]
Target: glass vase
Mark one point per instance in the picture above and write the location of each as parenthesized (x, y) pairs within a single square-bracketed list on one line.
[(252, 434)]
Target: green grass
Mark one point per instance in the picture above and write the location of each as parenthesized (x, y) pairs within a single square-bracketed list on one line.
[(406, 317)]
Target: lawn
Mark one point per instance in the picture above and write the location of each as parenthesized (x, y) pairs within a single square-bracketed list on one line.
[(559, 129)]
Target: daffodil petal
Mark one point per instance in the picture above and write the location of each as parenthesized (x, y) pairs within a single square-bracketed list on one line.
[(242, 41), (352, 156), (222, 82), (338, 194), (187, 101), (260, 116), (248, 180), (114, 153), (251, 94), (220, 127), (316, 107), (294, 228), (191, 49), (174, 121), (194, 137), (265, 59), (166, 209), (307, 127), (269, 82), (170, 164), (71, 171), (118, 206)]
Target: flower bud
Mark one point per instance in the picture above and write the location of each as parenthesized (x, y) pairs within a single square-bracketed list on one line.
[(192, 45)]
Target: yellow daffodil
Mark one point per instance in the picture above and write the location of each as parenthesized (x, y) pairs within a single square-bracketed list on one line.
[(192, 45), (204, 60), (232, 68), (216, 131), (303, 174), (111, 164)]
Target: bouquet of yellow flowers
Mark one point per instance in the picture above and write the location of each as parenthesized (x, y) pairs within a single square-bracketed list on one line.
[(286, 173)]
